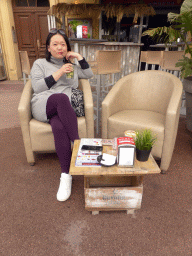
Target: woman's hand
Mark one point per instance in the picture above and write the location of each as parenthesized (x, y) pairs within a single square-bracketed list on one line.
[(66, 68), (71, 55)]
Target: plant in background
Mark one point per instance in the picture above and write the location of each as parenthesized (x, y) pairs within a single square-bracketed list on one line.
[(163, 34), (181, 26), (74, 24), (145, 139)]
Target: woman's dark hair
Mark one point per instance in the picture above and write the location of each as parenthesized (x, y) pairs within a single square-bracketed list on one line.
[(52, 33)]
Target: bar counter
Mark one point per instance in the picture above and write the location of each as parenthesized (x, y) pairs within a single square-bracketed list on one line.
[(129, 58)]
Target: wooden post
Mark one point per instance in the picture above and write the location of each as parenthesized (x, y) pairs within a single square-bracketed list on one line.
[(118, 31), (140, 29)]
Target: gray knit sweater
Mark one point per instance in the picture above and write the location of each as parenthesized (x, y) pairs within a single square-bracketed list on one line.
[(42, 69)]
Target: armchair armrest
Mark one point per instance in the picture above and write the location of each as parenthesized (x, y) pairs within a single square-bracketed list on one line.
[(24, 107), (88, 105), (171, 123), (24, 110)]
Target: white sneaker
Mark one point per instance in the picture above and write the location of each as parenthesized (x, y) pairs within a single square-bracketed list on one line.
[(64, 190)]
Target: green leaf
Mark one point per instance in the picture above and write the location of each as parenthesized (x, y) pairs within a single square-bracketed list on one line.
[(186, 6), (172, 16), (144, 139)]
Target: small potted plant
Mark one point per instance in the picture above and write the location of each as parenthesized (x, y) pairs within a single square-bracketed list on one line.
[(144, 142)]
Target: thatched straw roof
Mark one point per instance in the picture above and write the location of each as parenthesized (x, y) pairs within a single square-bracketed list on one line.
[(111, 10)]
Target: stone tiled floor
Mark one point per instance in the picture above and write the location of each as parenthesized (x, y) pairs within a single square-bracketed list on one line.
[(10, 93)]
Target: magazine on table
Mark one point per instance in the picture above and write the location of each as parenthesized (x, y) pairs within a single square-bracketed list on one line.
[(86, 157)]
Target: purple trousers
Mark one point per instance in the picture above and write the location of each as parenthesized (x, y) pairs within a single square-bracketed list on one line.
[(63, 121)]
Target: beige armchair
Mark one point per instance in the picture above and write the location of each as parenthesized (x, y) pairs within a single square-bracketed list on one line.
[(145, 99), (38, 136)]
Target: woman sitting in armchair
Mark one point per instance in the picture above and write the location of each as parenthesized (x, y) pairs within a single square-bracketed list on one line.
[(57, 100)]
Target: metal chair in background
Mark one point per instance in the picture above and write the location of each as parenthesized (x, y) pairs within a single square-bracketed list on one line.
[(168, 61), (143, 58), (25, 65), (106, 62), (152, 58)]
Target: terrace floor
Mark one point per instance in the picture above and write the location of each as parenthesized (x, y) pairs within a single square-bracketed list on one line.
[(34, 223)]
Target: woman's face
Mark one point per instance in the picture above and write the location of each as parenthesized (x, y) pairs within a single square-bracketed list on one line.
[(57, 47)]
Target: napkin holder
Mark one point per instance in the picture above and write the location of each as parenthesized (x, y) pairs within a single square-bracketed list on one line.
[(126, 152)]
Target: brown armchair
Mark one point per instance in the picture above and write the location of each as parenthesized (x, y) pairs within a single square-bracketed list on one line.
[(38, 136), (145, 99)]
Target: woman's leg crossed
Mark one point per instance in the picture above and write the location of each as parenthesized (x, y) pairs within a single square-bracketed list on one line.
[(59, 104)]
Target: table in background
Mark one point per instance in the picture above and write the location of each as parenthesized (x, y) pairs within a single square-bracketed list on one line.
[(176, 46)]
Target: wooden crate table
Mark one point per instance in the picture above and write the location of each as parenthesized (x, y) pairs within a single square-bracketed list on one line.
[(113, 188)]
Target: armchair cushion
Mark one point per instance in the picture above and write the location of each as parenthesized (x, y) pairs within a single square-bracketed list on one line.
[(135, 120)]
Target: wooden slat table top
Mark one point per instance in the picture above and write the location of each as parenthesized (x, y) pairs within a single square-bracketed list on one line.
[(140, 168)]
